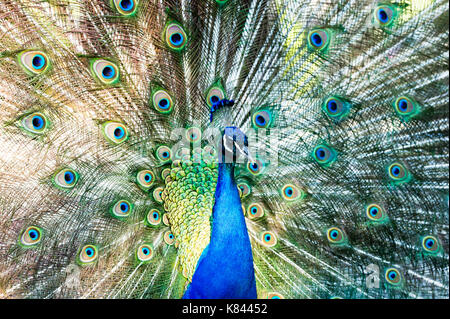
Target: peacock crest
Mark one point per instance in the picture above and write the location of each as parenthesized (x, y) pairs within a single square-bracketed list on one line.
[(224, 148)]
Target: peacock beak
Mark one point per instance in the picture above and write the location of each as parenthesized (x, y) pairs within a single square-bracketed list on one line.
[(235, 146)]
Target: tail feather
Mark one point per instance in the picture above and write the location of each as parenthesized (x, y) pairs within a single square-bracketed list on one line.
[(352, 114)]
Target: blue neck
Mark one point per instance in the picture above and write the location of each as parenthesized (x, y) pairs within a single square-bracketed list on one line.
[(225, 268)]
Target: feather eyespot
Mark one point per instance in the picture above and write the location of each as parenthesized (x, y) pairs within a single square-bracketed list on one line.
[(31, 236), (164, 154), (385, 15), (291, 193), (88, 254), (33, 62), (336, 235), (169, 238), (244, 189), (35, 123), (157, 193), (431, 245), (268, 239), (105, 71), (114, 132), (255, 168), (162, 101), (255, 210), (164, 173), (175, 36), (126, 7), (398, 173), (193, 134), (263, 118), (393, 277), (324, 155), (336, 108), (153, 217), (215, 94), (318, 39), (376, 213), (121, 209), (144, 253), (145, 179), (66, 178), (165, 220), (406, 107), (274, 295)]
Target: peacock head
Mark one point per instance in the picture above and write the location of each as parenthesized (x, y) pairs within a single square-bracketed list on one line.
[(233, 144)]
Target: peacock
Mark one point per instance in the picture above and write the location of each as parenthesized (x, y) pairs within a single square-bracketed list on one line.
[(224, 149)]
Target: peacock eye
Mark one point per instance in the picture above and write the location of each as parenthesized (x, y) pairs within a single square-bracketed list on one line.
[(164, 154), (144, 252), (157, 194), (126, 7), (162, 102), (211, 150), (375, 213), (385, 14), (175, 36), (164, 173), (406, 107), (255, 210), (30, 236), (35, 123), (145, 178), (244, 189), (290, 192), (153, 217), (193, 134), (88, 254), (431, 244), (165, 220), (268, 239), (324, 155), (121, 209), (398, 173), (393, 277), (105, 71), (318, 39), (33, 62), (335, 235), (255, 167), (169, 238), (65, 178), (116, 133), (336, 107), (274, 295), (215, 94), (262, 119)]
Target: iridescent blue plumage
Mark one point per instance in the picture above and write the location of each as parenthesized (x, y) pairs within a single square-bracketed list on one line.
[(224, 149), (225, 269)]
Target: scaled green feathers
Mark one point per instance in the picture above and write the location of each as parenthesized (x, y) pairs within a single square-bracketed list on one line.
[(109, 160)]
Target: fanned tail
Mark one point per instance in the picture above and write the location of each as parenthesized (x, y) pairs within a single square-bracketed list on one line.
[(345, 104)]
